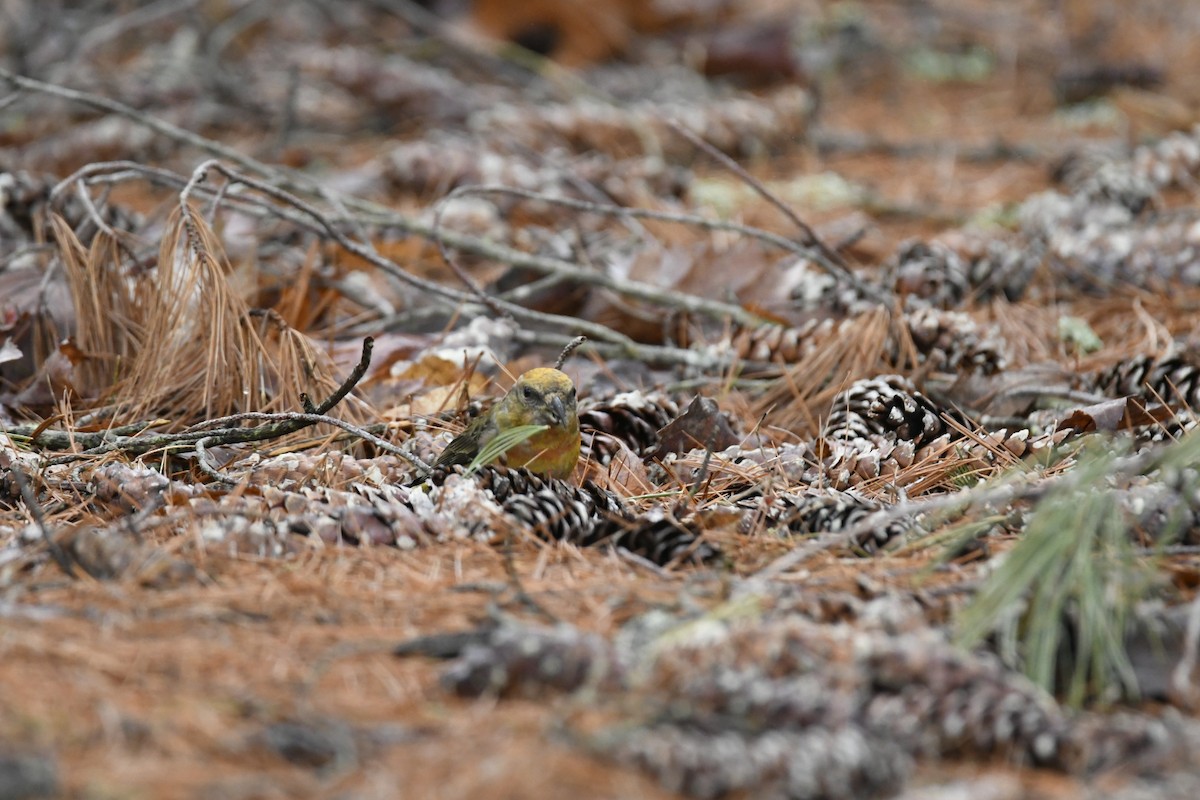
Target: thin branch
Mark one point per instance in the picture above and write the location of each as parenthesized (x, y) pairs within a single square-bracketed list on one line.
[(457, 268), (635, 289), (826, 257), (35, 510), (649, 354), (150, 121), (277, 425), (314, 221), (828, 142), (63, 440), (386, 216), (571, 347), (642, 291), (207, 466), (370, 255), (356, 375), (1004, 493)]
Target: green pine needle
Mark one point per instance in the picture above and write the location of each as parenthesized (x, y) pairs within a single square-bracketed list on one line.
[(502, 442), (1062, 601)]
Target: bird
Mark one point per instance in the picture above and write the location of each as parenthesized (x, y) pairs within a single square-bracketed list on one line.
[(541, 396)]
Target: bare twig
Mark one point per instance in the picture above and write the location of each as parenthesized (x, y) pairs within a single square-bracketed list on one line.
[(150, 121), (635, 289), (368, 254), (759, 189), (314, 221), (206, 464), (356, 375), (210, 432), (35, 510), (849, 142), (384, 216), (1003, 494), (571, 347), (278, 424), (670, 299), (379, 215), (826, 257), (457, 268), (661, 355)]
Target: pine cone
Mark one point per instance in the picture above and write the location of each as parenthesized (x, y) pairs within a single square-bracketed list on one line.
[(888, 406), (942, 702), (778, 344), (815, 764), (829, 511), (658, 536), (1117, 183), (929, 271), (1170, 380), (633, 417), (1172, 161), (555, 514), (952, 342), (526, 661), (996, 267)]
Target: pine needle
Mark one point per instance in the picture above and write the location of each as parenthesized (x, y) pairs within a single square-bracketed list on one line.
[(1061, 602), (502, 442), (179, 341)]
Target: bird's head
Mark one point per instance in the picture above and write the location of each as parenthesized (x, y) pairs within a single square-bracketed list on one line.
[(543, 396)]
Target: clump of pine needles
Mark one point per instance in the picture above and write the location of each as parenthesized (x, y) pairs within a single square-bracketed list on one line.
[(1062, 603), (502, 442)]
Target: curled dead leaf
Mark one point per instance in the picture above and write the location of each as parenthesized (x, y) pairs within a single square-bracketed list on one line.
[(701, 426), (1120, 414)]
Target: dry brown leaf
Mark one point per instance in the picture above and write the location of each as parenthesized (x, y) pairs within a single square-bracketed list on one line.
[(624, 474), (701, 426), (35, 312), (56, 377), (1120, 414)]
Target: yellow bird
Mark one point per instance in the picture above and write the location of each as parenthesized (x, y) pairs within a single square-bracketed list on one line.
[(541, 396)]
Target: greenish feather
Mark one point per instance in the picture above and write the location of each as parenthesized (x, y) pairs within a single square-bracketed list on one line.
[(502, 442)]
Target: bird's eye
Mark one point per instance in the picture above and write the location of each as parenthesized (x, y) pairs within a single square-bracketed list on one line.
[(571, 394), (528, 393)]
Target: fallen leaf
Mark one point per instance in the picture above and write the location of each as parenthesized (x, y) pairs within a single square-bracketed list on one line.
[(701, 426), (1116, 415), (9, 351)]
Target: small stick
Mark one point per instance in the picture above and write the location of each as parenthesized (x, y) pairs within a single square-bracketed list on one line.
[(382, 215), (208, 467), (571, 347), (762, 191), (830, 259), (352, 380), (653, 294), (35, 510), (457, 268)]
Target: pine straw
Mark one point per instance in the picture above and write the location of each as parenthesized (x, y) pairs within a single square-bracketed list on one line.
[(178, 341), (806, 390), (204, 670)]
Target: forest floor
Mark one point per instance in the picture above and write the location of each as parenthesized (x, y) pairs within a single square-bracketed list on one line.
[(197, 669)]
